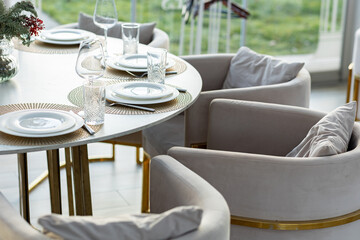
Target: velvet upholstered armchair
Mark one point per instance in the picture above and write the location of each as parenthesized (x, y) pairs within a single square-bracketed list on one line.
[(271, 196), (172, 185)]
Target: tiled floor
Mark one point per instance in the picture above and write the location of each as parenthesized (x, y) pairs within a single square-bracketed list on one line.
[(116, 186)]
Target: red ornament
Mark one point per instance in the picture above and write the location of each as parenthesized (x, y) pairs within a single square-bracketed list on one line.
[(34, 24)]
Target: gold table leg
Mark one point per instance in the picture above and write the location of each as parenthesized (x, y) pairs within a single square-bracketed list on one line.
[(68, 165), (23, 186), (53, 160), (81, 180), (145, 185)]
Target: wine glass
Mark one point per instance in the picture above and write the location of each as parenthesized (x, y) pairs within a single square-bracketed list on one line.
[(105, 17), (90, 67)]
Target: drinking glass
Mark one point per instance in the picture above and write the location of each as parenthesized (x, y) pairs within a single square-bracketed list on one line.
[(130, 37), (156, 64), (90, 67), (105, 17)]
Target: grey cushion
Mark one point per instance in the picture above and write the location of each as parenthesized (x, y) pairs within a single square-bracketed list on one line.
[(170, 224), (248, 69), (331, 135), (86, 22)]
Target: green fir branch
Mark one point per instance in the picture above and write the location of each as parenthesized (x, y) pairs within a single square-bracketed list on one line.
[(12, 21)]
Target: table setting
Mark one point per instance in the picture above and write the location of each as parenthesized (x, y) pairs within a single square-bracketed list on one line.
[(126, 87), (143, 94)]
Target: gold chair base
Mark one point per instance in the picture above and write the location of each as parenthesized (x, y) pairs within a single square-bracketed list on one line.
[(112, 157), (296, 225)]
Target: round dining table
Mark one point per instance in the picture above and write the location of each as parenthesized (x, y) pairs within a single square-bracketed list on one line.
[(48, 78)]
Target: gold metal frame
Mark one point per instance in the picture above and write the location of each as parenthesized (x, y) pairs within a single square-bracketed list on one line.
[(145, 200), (112, 158), (79, 156), (23, 186), (296, 225), (145, 205), (53, 163), (199, 145), (356, 88)]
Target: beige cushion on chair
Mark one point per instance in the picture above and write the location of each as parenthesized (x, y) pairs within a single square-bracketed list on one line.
[(170, 224), (86, 23), (248, 69), (330, 135)]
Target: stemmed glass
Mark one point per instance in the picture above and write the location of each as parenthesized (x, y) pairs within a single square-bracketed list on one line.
[(90, 67), (105, 17)]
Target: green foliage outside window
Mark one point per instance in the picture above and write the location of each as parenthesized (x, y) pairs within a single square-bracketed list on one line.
[(276, 27)]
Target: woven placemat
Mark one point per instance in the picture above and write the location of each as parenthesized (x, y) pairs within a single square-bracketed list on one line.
[(46, 48), (76, 98), (6, 139), (94, 64)]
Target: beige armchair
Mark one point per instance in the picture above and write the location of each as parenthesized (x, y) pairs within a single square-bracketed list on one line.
[(190, 129), (172, 185), (270, 196)]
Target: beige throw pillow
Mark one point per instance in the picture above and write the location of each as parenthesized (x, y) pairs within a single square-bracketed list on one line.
[(248, 69), (170, 224), (330, 136), (86, 22)]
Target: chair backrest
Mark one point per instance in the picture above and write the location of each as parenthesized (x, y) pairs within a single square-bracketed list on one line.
[(172, 185), (158, 39), (13, 226)]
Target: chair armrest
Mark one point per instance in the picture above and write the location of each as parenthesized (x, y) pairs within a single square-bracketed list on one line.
[(172, 185), (279, 188), (255, 127), (295, 92), (13, 226), (213, 68), (160, 39)]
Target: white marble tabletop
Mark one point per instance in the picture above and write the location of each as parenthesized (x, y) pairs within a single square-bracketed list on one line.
[(48, 78)]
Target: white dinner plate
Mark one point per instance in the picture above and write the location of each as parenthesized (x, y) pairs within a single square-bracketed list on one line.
[(25, 130), (113, 63), (142, 90), (89, 35), (64, 34), (139, 61), (113, 97), (133, 61), (39, 121)]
